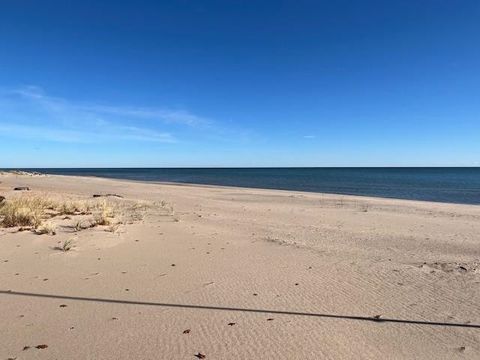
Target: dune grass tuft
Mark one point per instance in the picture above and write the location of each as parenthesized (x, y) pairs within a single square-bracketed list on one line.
[(31, 211), (46, 228), (34, 212), (113, 228), (74, 207), (104, 215), (83, 224), (22, 212), (67, 245)]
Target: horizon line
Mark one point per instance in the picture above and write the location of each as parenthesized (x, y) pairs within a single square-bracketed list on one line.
[(245, 167)]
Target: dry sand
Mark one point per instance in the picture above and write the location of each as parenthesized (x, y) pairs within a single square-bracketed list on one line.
[(238, 273)]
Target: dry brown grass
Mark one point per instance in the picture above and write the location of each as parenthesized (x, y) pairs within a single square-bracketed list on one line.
[(83, 224), (34, 212), (22, 211), (46, 228), (67, 245), (75, 207), (113, 228), (104, 214), (78, 225), (31, 211)]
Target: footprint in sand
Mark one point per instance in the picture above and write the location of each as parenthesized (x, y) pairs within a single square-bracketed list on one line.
[(91, 275)]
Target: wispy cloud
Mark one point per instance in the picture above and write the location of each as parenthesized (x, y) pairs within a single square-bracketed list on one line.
[(37, 94), (28, 112), (309, 136), (77, 136), (168, 116)]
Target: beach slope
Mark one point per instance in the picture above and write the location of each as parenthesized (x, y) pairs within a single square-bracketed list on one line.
[(184, 271)]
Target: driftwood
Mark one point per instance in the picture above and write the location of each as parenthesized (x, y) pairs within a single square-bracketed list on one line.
[(107, 195), (22, 188)]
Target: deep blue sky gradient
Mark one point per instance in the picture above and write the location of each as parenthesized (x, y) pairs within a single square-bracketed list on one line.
[(239, 83)]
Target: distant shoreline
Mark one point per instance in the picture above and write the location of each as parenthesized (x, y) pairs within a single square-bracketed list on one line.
[(456, 185)]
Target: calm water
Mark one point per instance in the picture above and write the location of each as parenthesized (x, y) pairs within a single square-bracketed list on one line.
[(454, 185)]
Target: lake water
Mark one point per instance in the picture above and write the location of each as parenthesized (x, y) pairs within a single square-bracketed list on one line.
[(453, 185)]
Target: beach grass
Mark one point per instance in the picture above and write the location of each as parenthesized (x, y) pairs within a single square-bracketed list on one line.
[(34, 210), (46, 228), (22, 211), (67, 245)]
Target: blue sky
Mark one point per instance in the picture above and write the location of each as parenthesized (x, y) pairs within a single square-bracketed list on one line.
[(239, 83)]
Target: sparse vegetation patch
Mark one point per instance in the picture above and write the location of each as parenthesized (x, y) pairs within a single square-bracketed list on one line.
[(43, 214), (46, 228), (67, 245)]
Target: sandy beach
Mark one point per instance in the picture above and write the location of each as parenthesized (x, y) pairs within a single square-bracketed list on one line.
[(190, 272)]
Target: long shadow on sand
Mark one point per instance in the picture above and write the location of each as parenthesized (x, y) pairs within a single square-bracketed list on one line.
[(262, 311)]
